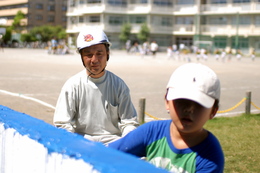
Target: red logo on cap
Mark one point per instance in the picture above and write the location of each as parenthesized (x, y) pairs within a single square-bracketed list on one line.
[(88, 38)]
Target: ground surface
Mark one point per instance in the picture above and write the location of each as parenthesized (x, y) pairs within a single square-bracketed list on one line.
[(30, 79)]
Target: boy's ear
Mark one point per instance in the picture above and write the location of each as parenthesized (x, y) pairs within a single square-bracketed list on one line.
[(167, 104), (214, 112)]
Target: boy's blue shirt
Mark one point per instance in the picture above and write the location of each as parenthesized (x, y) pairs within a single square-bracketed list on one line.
[(152, 140)]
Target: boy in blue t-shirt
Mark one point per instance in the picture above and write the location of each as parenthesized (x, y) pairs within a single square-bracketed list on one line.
[(182, 144)]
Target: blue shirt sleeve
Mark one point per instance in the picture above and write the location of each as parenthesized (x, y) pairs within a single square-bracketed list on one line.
[(133, 143), (136, 141)]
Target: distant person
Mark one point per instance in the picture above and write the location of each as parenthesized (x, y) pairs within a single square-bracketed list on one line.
[(1, 43), (154, 48), (54, 45), (239, 55), (146, 48), (169, 52), (182, 144), (223, 55), (95, 102), (174, 48), (253, 55), (128, 45)]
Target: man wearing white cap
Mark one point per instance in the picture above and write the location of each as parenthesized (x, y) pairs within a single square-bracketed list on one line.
[(95, 102), (182, 144)]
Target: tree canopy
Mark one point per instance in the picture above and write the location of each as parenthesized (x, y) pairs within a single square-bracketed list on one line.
[(144, 33), (125, 32), (45, 33)]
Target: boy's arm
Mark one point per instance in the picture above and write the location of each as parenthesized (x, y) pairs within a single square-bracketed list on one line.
[(133, 143)]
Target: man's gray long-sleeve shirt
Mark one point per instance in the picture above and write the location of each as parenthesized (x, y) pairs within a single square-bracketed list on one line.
[(98, 108)]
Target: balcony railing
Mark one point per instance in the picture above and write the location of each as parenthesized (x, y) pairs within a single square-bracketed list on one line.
[(85, 9), (230, 8), (74, 28), (131, 8), (13, 12), (185, 9), (230, 30)]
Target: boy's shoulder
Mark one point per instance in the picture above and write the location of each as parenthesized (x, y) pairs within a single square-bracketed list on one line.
[(158, 124), (155, 130)]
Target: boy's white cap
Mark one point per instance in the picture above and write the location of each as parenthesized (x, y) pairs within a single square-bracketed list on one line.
[(194, 82), (90, 36)]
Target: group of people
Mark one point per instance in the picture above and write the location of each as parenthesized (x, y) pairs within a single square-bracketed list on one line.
[(96, 104), (59, 48), (144, 49)]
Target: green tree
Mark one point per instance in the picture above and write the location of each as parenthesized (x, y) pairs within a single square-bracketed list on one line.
[(46, 32), (17, 24), (125, 32), (144, 33), (8, 35), (28, 38)]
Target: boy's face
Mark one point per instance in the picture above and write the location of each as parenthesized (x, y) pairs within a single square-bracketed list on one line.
[(189, 116)]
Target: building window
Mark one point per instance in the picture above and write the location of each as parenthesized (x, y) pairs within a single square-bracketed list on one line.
[(184, 20), (218, 1), (137, 19), (72, 20), (242, 20), (138, 1), (117, 2), (81, 19), (163, 2), (257, 20), (217, 21), (116, 20), (82, 2), (39, 6), (187, 41), (51, 8), (50, 18), (38, 17), (64, 8), (220, 42), (185, 2), (241, 1), (242, 43), (162, 40), (94, 19), (72, 3), (64, 19), (94, 1), (166, 21)]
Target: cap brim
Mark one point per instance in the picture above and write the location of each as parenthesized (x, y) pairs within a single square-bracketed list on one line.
[(194, 95)]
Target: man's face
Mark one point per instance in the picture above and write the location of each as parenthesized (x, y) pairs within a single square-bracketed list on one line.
[(95, 59)]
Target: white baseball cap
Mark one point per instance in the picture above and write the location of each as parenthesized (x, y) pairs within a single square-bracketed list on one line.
[(194, 82), (90, 36)]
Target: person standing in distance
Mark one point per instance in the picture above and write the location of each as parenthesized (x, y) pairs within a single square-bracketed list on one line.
[(154, 48), (95, 102), (181, 144)]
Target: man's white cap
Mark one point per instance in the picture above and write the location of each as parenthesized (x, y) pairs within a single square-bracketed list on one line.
[(90, 36), (194, 82)]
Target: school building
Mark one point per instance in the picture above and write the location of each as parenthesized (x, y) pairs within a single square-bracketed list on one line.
[(37, 12), (212, 24)]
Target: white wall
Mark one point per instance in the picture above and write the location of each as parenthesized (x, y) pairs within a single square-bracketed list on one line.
[(30, 145)]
